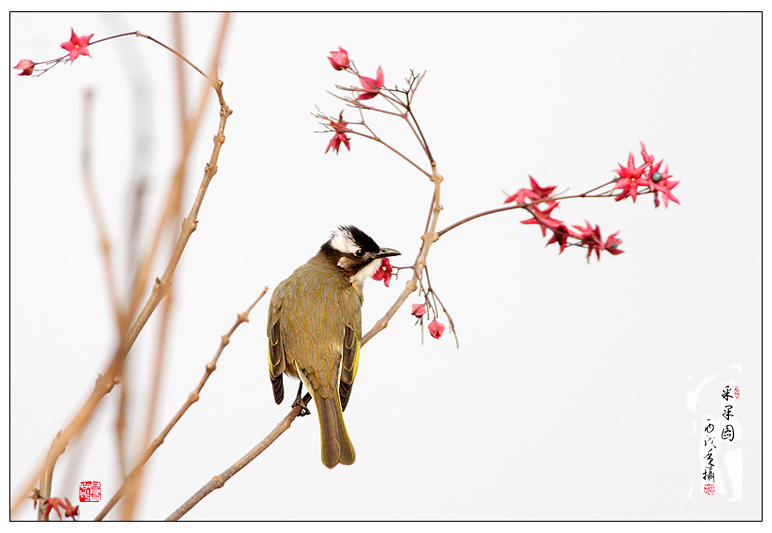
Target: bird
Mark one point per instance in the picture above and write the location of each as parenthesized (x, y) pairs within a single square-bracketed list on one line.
[(315, 331)]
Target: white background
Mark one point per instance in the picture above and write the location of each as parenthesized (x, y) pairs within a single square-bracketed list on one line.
[(566, 398)]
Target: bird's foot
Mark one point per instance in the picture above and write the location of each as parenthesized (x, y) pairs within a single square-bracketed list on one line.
[(302, 402)]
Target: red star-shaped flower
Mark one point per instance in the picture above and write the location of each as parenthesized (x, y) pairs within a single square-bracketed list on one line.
[(384, 272), (560, 235), (77, 46), (659, 183), (647, 159), (536, 192), (630, 178), (371, 87), (340, 135), (543, 217), (612, 244), (70, 511), (591, 239)]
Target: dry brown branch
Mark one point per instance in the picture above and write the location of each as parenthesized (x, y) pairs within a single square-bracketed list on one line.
[(143, 272), (132, 496), (106, 381), (428, 238), (192, 398), (105, 246), (218, 481)]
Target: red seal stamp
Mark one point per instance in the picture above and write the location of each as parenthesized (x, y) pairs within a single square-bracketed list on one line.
[(710, 489), (90, 491)]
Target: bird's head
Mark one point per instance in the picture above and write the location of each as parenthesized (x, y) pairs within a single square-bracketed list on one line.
[(355, 253)]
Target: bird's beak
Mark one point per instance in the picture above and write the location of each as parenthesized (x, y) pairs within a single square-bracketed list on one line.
[(386, 252)]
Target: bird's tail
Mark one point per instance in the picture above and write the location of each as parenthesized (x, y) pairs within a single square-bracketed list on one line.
[(336, 446)]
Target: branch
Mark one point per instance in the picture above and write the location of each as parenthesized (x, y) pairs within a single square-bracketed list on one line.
[(192, 398), (428, 238), (105, 382), (218, 481)]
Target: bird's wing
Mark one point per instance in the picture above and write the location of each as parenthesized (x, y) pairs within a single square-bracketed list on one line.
[(276, 359), (348, 369)]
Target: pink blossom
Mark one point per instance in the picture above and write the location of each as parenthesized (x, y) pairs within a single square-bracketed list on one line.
[(371, 87), (339, 60), (77, 46)]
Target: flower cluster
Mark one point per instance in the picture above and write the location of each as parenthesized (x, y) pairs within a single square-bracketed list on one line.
[(370, 88), (436, 328), (647, 176), (631, 181), (538, 201), (385, 273), (77, 46)]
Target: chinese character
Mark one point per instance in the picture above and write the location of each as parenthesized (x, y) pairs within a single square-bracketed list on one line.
[(726, 394), (727, 412), (728, 433), (90, 491)]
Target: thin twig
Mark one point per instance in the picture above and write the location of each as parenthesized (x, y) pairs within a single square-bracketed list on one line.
[(178, 186), (121, 320), (105, 382), (218, 481), (143, 272), (428, 238), (586, 194), (192, 398)]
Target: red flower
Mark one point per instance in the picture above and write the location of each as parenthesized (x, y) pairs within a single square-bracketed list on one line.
[(536, 192), (26, 66), (77, 46), (612, 244), (56, 503), (419, 310), (340, 135), (560, 235), (630, 178), (543, 218), (384, 272), (436, 329), (658, 183), (339, 60), (371, 87), (539, 193), (647, 159), (594, 242), (591, 239)]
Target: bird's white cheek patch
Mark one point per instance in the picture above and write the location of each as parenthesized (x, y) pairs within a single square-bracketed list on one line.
[(366, 272)]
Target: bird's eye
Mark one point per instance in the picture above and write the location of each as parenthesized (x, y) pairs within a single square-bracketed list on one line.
[(359, 253)]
